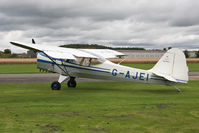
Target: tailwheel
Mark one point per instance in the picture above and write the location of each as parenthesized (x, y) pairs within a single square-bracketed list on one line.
[(72, 83), (56, 85)]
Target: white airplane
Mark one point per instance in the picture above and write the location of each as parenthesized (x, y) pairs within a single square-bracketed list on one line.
[(72, 63)]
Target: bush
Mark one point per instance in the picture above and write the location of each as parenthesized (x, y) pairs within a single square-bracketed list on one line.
[(197, 54), (7, 51)]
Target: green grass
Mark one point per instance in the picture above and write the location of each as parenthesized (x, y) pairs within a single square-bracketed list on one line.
[(193, 67), (99, 107), (18, 68), (32, 68)]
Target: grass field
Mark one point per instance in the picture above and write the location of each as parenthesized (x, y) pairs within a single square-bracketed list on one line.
[(99, 107), (18, 68), (32, 68)]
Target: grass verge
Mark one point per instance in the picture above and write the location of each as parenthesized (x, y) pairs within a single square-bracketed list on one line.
[(96, 107), (18, 68)]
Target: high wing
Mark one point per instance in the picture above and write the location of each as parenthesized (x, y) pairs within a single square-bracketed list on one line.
[(55, 52), (105, 53), (70, 53)]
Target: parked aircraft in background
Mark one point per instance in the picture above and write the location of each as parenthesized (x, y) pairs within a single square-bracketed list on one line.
[(72, 63)]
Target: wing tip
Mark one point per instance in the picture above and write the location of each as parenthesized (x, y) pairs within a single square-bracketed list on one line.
[(12, 42)]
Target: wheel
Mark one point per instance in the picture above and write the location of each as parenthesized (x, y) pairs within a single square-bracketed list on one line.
[(56, 85), (71, 83)]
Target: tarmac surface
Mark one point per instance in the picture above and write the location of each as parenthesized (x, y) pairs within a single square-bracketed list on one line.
[(35, 78), (50, 77)]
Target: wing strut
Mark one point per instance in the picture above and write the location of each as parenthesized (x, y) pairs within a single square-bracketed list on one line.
[(65, 71)]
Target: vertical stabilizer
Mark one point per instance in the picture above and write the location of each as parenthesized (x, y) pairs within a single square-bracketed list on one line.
[(172, 65)]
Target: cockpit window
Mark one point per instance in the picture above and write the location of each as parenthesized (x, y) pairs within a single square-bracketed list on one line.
[(88, 61), (95, 61), (72, 61)]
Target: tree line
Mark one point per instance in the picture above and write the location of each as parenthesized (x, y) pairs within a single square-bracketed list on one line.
[(7, 54)]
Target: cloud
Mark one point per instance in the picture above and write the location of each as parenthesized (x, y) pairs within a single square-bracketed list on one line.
[(150, 24), (186, 14)]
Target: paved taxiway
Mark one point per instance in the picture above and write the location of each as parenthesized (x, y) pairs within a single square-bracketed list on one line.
[(34, 78), (49, 77)]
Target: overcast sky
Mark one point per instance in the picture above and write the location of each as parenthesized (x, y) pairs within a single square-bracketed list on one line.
[(136, 23)]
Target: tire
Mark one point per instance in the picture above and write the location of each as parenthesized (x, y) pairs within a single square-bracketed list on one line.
[(72, 83), (56, 85)]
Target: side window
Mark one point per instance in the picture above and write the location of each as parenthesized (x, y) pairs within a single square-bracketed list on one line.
[(95, 62), (72, 61), (84, 61), (88, 61)]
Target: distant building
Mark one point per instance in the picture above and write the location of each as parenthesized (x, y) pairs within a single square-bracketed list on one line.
[(192, 54), (149, 53), (22, 55)]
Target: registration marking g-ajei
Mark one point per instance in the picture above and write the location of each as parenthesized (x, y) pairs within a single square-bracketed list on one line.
[(135, 76)]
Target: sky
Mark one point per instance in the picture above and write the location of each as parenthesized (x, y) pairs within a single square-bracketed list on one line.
[(154, 24)]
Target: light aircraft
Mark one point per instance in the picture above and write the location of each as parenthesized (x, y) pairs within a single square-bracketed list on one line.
[(72, 63)]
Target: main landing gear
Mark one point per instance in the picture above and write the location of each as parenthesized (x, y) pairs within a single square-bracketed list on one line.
[(56, 85), (72, 82)]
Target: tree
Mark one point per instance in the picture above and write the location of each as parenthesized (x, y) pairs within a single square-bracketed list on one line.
[(7, 51), (197, 54), (186, 53), (165, 49)]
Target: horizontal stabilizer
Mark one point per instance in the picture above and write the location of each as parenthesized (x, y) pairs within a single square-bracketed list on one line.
[(167, 77)]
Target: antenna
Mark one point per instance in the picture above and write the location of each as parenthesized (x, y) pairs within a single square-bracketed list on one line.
[(33, 41)]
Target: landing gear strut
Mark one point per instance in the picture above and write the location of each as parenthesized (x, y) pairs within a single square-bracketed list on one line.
[(72, 82)]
